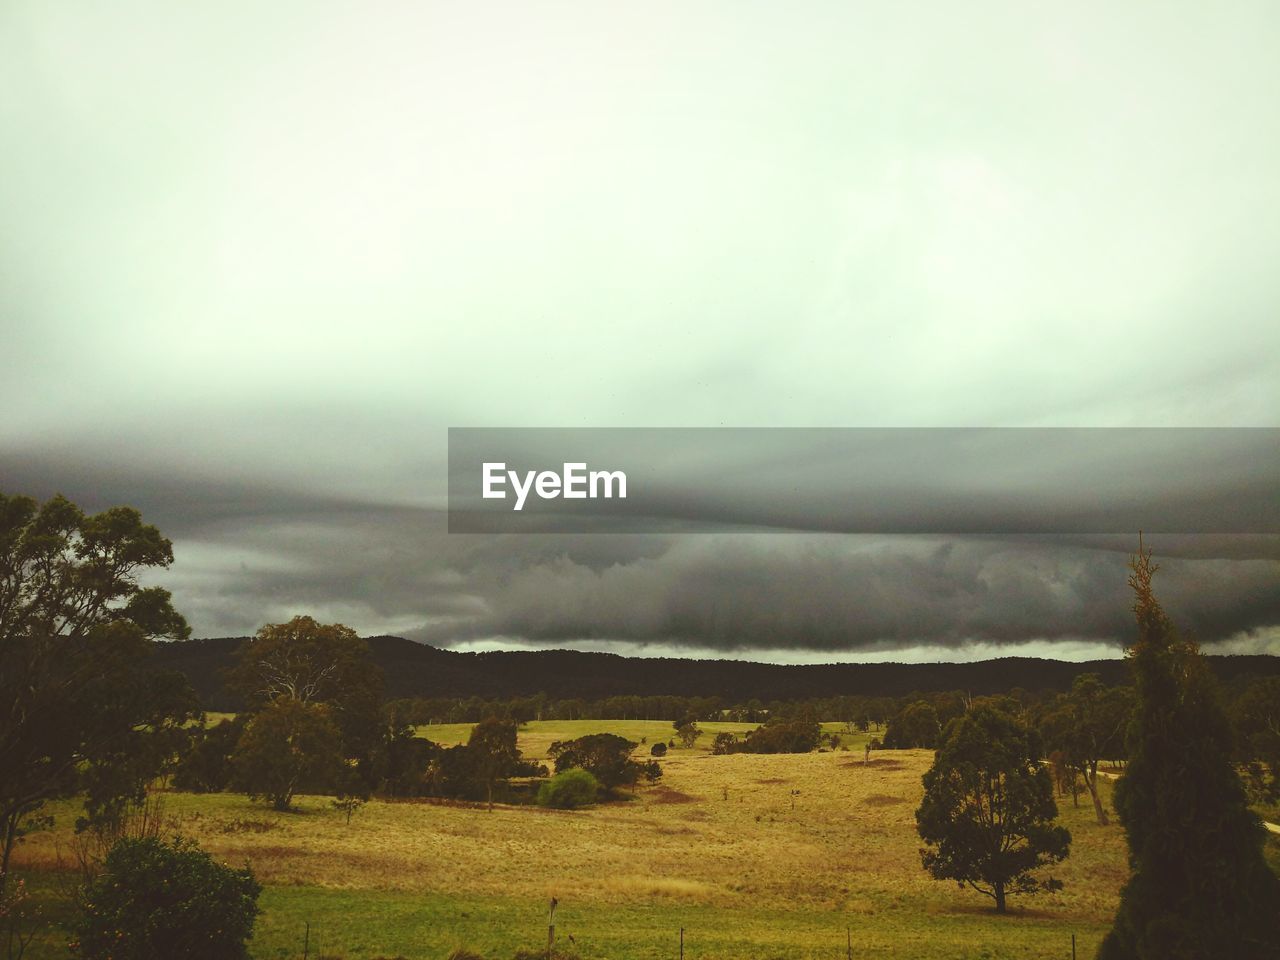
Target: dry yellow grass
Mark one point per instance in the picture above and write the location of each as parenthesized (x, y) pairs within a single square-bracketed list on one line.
[(536, 738), (748, 875), (848, 844)]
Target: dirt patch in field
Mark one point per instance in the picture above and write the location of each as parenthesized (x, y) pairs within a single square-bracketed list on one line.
[(665, 794), (882, 800), (673, 831), (878, 764), (773, 780)]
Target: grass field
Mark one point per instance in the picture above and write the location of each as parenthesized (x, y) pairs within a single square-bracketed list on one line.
[(536, 738), (715, 847)]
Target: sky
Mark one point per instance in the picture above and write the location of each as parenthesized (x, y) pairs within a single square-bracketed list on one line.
[(257, 259)]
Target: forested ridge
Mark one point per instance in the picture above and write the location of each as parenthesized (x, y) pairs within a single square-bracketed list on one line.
[(416, 670)]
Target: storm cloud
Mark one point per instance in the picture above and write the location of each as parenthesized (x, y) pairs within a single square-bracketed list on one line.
[(775, 595)]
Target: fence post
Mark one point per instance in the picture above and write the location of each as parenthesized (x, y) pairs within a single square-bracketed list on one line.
[(1073, 947), (306, 941), (682, 943), (848, 943), (551, 928)]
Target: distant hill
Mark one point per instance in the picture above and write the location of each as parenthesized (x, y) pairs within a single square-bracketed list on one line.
[(417, 670)]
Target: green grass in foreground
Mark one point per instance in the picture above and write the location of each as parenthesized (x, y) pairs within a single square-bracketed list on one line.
[(371, 923)]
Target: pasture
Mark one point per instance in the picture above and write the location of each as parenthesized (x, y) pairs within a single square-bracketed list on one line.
[(536, 737), (755, 856)]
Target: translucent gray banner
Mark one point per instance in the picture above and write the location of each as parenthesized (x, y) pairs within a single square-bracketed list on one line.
[(961, 481)]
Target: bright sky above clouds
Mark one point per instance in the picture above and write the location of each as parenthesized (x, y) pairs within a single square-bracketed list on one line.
[(255, 258)]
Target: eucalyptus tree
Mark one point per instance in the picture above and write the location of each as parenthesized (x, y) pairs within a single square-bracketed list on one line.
[(79, 710)]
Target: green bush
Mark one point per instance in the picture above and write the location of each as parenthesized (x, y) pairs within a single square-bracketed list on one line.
[(568, 789), (156, 899)]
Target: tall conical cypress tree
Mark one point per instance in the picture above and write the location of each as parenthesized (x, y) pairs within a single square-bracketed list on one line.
[(1200, 888)]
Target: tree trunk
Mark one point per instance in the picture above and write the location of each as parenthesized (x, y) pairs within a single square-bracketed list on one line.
[(1000, 908), (1091, 781), (10, 836)]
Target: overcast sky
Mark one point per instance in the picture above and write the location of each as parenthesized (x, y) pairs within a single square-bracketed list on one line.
[(255, 259)]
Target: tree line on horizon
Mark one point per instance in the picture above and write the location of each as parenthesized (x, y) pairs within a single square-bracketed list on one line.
[(448, 686)]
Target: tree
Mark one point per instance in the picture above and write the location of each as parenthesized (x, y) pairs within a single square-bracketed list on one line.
[(1199, 886), (289, 746), (156, 899), (1065, 777), (606, 756), (450, 772), (311, 662), (400, 763), (1088, 725), (988, 808), (916, 725), (494, 755), (489, 757), (688, 731), (204, 765), (798, 735), (1257, 721), (350, 793), (76, 694), (724, 743)]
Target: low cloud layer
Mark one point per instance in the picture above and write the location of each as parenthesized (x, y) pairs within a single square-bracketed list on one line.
[(256, 554)]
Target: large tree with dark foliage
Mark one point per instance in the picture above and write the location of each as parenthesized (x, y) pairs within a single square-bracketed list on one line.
[(494, 754), (310, 662), (1199, 886), (79, 707), (988, 811), (288, 747), (606, 756), (401, 761), (915, 725)]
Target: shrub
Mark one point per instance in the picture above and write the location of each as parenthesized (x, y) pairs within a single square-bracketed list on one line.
[(724, 743), (568, 789), (157, 899), (659, 749)]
